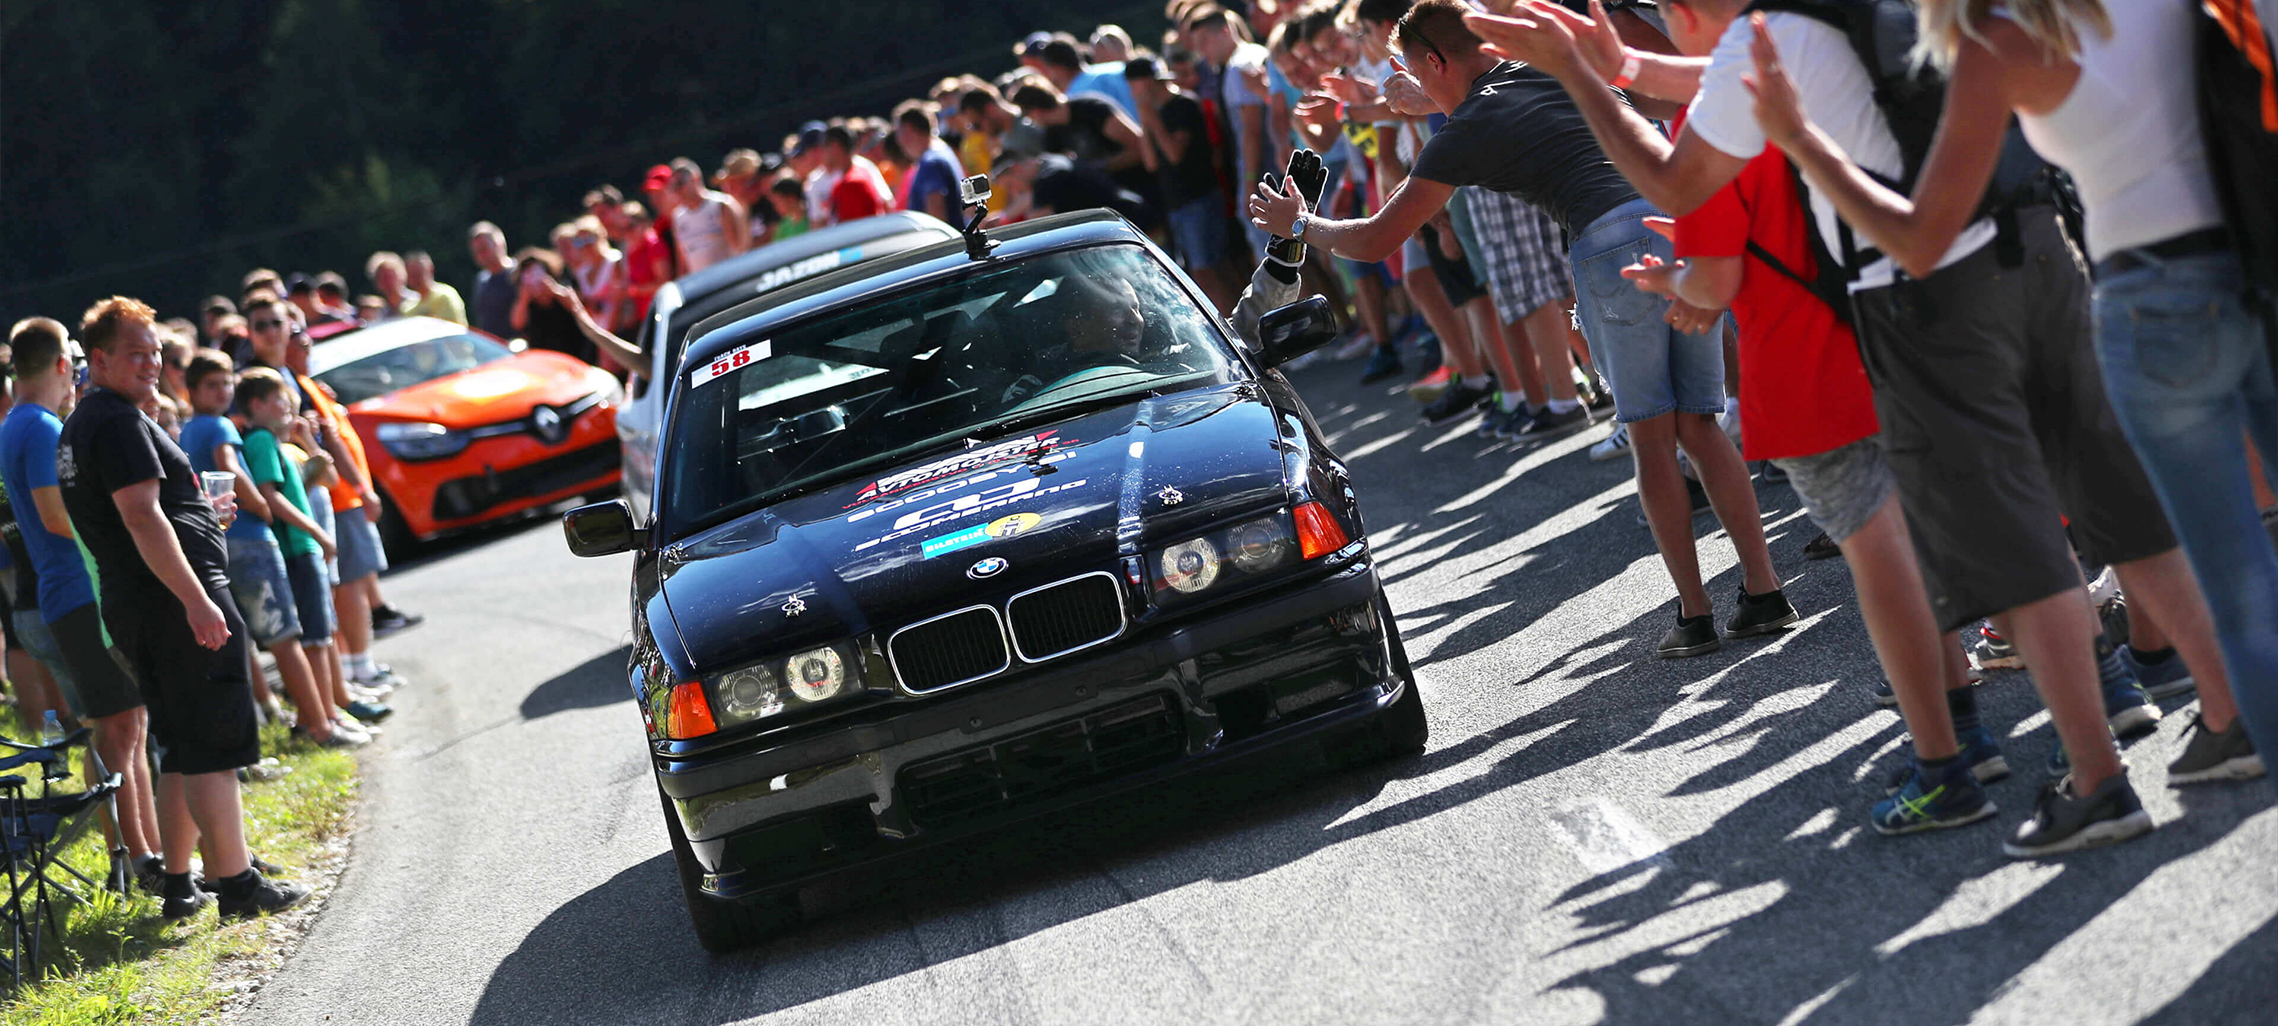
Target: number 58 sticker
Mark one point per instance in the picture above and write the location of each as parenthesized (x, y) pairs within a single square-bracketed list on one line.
[(734, 359)]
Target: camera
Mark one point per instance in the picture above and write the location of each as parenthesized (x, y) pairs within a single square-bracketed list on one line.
[(973, 191)]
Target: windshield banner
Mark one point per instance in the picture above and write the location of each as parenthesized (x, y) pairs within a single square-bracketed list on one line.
[(971, 459)]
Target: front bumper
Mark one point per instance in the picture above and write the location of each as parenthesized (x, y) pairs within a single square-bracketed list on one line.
[(1298, 666)]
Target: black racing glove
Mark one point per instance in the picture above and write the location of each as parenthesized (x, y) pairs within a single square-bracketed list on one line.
[(1306, 170)]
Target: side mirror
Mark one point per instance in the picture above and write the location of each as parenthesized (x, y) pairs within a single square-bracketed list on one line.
[(1295, 330), (602, 529)]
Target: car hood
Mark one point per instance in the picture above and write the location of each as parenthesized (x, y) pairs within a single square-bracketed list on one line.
[(494, 393), (883, 550)]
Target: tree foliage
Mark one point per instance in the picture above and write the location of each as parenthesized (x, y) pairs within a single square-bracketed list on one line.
[(160, 149)]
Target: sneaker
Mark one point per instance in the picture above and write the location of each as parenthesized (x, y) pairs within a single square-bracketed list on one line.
[(2063, 821), (1821, 547), (1693, 635), (1772, 474), (1613, 447), (150, 875), (369, 712), (2161, 679), (266, 770), (259, 897), (1693, 492), (2209, 756), (1457, 400), (1429, 387), (1760, 614), (2131, 712), (1957, 799), (1513, 423), (380, 677), (1729, 420), (1993, 652), (388, 620), (360, 693), (1979, 753), (1385, 364), (1548, 424), (1885, 695), (175, 907), (341, 737), (1492, 419), (1355, 346)]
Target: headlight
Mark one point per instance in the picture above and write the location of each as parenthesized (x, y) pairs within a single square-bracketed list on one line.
[(420, 440), (1189, 566), (1234, 554), (766, 689), (749, 694), (817, 675)]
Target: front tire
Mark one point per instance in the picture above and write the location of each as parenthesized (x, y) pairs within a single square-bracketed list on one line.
[(724, 926), (1401, 726)]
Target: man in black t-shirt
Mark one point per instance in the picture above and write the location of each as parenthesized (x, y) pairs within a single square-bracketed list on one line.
[(1515, 130), (157, 541), (1186, 165)]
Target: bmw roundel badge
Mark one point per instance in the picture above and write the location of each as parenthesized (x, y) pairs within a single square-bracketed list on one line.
[(987, 568)]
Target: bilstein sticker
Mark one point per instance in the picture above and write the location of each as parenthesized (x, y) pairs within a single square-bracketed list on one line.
[(987, 500), (1001, 527), (734, 359)]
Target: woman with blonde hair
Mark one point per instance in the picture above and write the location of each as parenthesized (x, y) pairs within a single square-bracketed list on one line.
[(2106, 93)]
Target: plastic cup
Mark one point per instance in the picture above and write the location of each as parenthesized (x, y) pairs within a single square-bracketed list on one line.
[(218, 483)]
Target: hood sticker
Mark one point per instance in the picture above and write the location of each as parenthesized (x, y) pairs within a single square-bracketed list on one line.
[(987, 500), (1002, 527), (1038, 444), (1171, 496), (795, 606), (734, 359)]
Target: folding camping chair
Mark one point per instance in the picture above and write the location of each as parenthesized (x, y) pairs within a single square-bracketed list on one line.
[(35, 832)]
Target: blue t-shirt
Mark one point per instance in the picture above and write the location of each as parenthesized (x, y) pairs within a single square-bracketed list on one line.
[(27, 461), (200, 434), (937, 172), (1106, 80)]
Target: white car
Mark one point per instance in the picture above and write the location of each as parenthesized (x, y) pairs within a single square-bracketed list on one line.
[(682, 304)]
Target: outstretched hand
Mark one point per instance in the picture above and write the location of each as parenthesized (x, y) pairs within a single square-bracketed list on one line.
[(1554, 39), (1274, 206), (1653, 274), (1779, 111), (1406, 96)]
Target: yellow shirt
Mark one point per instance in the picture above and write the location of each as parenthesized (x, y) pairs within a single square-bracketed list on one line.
[(441, 301), (975, 152)]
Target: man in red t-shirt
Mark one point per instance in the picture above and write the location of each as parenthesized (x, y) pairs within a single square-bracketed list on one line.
[(1805, 404)]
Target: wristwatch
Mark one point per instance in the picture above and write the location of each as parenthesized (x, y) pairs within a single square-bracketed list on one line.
[(1297, 229)]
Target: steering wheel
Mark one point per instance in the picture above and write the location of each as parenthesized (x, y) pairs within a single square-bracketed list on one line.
[(1103, 378)]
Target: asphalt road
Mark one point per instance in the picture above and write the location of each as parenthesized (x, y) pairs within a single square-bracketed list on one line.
[(1593, 836)]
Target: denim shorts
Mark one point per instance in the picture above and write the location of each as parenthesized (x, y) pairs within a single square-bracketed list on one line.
[(312, 596), (30, 631), (1198, 229), (320, 510), (1653, 368), (264, 593), (361, 554)]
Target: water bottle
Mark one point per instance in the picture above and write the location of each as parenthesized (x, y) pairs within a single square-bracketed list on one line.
[(51, 732)]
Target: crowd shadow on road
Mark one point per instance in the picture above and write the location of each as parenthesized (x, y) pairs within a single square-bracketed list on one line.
[(601, 680), (1849, 927)]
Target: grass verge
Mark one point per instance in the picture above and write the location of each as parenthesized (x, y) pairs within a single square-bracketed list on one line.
[(120, 964)]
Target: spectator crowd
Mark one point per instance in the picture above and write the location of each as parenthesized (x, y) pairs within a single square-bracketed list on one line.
[(1981, 366)]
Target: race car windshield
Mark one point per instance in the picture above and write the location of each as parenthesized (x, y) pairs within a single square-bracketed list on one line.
[(400, 367), (1035, 341)]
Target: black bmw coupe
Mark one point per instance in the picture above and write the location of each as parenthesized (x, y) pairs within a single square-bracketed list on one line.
[(977, 531)]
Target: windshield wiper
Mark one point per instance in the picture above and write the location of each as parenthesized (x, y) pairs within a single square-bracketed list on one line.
[(1062, 411)]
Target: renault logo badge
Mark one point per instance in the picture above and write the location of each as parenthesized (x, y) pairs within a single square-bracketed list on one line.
[(987, 568), (546, 423)]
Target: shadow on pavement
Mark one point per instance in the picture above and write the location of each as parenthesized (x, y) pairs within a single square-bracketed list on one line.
[(624, 952), (601, 680)]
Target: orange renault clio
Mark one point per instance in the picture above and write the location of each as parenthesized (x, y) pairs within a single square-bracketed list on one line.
[(462, 429)]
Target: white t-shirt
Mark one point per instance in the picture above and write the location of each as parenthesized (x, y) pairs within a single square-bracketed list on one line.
[(2129, 130), (1837, 95), (820, 182), (699, 230), (1235, 95)]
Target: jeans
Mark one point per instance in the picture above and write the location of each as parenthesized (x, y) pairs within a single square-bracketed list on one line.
[(2188, 371), (1653, 368)]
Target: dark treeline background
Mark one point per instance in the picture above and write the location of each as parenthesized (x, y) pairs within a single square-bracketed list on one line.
[(160, 149)]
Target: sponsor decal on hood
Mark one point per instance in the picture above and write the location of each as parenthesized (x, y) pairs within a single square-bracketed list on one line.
[(1040, 443), (986, 500)]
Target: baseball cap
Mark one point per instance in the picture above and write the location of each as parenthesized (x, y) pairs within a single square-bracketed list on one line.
[(810, 136), (1032, 45), (658, 177), (297, 282), (218, 305)]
